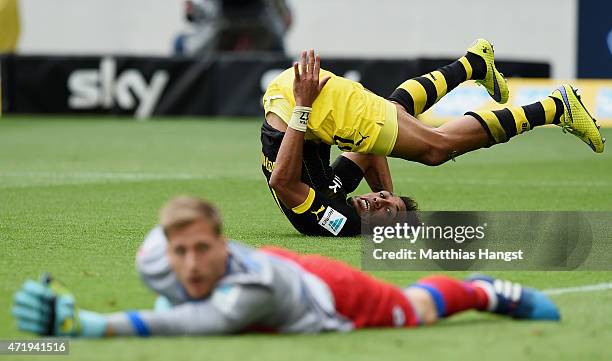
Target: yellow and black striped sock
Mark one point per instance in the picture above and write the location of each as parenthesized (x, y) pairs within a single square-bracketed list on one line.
[(503, 124), (419, 94)]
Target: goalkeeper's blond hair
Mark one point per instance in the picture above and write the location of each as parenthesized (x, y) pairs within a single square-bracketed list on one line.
[(182, 211)]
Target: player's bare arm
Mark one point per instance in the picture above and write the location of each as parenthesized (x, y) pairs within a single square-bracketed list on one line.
[(286, 177)]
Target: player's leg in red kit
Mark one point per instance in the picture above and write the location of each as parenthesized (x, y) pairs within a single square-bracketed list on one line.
[(449, 296), (370, 302)]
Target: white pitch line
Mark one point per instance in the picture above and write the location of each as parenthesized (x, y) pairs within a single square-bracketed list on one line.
[(498, 182), (578, 289), (9, 180), (103, 175), (60, 178)]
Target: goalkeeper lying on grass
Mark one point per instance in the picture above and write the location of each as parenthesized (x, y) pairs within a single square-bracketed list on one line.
[(210, 285)]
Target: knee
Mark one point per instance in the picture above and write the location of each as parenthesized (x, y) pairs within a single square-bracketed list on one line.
[(423, 304), (434, 158)]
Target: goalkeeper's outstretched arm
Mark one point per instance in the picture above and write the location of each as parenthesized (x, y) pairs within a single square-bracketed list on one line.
[(41, 310), (211, 317)]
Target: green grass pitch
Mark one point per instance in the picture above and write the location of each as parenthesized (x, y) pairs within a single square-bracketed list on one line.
[(77, 196)]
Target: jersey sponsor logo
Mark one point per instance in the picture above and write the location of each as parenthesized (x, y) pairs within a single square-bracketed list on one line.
[(336, 184), (316, 213), (103, 87), (333, 221)]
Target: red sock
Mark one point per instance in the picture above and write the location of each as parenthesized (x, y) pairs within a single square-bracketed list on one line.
[(452, 296)]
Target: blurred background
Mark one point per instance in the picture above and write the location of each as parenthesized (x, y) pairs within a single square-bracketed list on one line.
[(215, 57)]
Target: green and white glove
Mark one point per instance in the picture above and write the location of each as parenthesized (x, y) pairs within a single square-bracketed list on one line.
[(47, 308)]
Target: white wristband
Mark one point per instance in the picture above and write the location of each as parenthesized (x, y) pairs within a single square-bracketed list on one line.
[(299, 118)]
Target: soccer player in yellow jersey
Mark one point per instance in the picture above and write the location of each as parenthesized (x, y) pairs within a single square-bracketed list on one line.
[(367, 127)]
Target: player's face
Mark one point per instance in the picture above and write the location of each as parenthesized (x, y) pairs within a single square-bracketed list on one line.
[(198, 257), (378, 207)]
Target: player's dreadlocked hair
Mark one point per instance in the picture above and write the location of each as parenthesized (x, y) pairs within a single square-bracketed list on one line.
[(182, 211)]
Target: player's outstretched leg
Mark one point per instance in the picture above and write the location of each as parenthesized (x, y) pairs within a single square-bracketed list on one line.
[(433, 146), (481, 293), (562, 108), (419, 94)]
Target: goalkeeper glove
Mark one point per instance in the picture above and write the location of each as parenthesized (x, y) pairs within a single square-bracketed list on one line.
[(47, 308)]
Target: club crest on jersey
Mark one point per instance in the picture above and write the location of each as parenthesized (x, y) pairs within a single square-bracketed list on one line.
[(333, 220)]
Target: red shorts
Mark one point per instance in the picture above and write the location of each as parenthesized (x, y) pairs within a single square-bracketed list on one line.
[(359, 297)]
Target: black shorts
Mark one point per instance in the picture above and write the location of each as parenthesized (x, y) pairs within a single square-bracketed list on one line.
[(331, 185)]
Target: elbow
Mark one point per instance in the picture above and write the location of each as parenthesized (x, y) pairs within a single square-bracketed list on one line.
[(279, 182)]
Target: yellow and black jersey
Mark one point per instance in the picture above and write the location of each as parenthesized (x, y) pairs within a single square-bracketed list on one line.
[(344, 114), (327, 211)]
